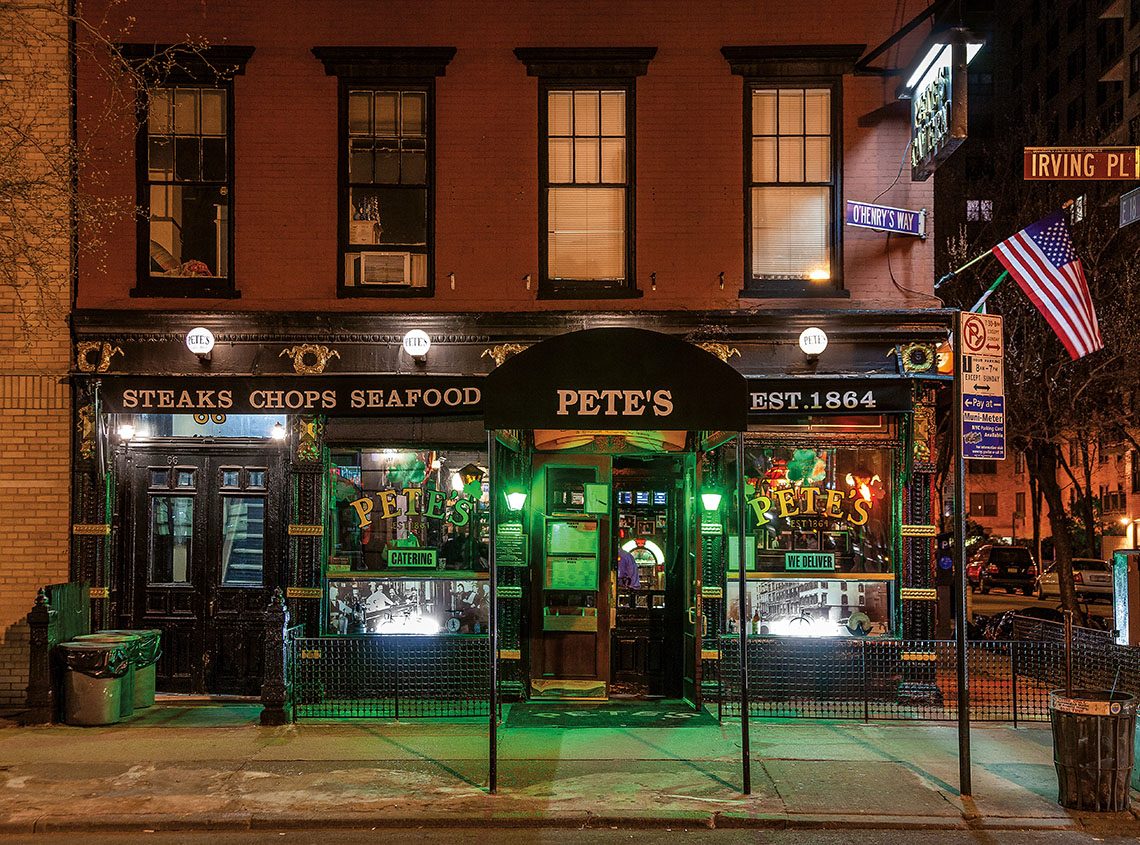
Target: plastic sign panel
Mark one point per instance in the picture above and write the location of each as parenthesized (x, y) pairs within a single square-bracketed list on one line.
[(1129, 207), (886, 219), (1072, 163), (809, 561), (983, 428)]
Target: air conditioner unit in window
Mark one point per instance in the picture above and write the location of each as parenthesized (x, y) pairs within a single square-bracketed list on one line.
[(383, 268)]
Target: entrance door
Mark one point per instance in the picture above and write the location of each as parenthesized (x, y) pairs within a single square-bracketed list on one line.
[(201, 564)]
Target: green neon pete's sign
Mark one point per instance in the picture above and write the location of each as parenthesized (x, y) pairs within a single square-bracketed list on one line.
[(809, 561)]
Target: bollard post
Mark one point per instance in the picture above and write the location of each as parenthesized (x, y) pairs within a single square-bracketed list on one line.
[(40, 699), (274, 691)]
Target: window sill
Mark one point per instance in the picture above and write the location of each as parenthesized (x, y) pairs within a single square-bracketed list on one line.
[(166, 290), (793, 290), (586, 291), (383, 293)]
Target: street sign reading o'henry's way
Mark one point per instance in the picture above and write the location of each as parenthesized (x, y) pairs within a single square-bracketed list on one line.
[(1075, 163)]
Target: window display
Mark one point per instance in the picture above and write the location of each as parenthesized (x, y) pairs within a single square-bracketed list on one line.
[(401, 510), (812, 509), (408, 606), (799, 607)]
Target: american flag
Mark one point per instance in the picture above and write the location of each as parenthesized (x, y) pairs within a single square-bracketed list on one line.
[(1042, 260)]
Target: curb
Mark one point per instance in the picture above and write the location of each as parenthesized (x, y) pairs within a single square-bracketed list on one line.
[(727, 820)]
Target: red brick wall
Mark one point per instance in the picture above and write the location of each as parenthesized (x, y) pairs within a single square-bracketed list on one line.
[(689, 164)]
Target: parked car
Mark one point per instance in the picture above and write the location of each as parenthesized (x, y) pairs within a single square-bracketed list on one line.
[(973, 574), (1009, 567), (1092, 579)]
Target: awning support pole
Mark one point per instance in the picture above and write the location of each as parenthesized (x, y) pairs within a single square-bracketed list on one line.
[(960, 584), (493, 632), (745, 751)]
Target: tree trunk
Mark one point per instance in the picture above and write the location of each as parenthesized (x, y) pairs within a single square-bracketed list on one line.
[(1041, 460), (1035, 506), (1087, 514)]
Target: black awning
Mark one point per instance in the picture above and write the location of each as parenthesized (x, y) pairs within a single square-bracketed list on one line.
[(615, 379)]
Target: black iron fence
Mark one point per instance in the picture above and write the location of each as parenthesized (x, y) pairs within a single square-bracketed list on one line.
[(916, 679), (388, 676)]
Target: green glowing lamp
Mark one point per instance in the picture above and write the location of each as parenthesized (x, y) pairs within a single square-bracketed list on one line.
[(711, 500), (515, 499)]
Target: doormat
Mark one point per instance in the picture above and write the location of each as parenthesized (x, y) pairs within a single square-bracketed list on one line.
[(550, 688), (640, 714)]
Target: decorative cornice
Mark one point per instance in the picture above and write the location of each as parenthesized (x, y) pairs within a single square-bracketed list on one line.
[(365, 62), (202, 64), (586, 62), (794, 59)]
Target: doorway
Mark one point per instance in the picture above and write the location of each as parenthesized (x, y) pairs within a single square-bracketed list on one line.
[(650, 539), (201, 561)]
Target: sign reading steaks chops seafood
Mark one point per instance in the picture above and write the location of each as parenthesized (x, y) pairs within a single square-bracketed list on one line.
[(343, 396), (612, 380)]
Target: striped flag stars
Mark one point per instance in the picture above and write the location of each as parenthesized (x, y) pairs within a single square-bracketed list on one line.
[(1042, 259)]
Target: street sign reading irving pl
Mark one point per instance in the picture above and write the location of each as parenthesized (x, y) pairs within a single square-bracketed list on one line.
[(983, 388)]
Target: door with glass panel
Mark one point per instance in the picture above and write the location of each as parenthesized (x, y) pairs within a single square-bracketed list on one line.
[(204, 563)]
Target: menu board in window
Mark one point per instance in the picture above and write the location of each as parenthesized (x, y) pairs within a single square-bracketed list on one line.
[(572, 537), (572, 572)]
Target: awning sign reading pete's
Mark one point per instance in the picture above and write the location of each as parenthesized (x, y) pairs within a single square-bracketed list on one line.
[(345, 396), (615, 378)]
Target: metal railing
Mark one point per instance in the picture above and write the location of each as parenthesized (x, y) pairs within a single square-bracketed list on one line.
[(388, 676), (915, 679)]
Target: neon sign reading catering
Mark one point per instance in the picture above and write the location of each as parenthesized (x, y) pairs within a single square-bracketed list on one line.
[(432, 504), (791, 502)]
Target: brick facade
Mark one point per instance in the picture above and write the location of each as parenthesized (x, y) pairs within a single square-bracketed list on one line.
[(34, 347)]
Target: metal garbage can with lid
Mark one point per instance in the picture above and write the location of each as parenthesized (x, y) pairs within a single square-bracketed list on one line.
[(1093, 749), (145, 658), (93, 682), (130, 645)]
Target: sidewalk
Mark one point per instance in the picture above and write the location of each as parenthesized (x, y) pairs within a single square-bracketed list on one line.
[(185, 766)]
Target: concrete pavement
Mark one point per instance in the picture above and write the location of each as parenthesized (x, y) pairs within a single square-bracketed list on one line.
[(196, 766)]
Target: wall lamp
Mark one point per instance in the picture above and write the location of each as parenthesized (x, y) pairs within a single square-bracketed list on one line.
[(278, 431), (710, 499), (516, 499), (126, 432), (935, 53)]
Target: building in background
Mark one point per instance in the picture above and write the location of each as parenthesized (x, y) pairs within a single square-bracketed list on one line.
[(35, 298)]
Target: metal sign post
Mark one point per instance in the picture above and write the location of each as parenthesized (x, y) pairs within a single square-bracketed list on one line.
[(960, 586), (745, 751), (493, 633)]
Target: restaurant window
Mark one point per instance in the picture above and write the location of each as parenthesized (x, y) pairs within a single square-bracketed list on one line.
[(185, 169), (1018, 463), (386, 163), (408, 541), (586, 169), (983, 504), (812, 509), (818, 542)]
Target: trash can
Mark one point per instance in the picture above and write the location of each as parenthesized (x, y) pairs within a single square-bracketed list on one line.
[(1093, 748), (93, 682), (130, 645), (144, 658)]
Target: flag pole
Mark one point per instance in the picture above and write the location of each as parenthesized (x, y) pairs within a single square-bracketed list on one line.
[(970, 263), (986, 295)]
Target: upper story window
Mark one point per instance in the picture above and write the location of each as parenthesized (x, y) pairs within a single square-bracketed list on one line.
[(586, 169), (386, 167), (793, 161), (185, 166)]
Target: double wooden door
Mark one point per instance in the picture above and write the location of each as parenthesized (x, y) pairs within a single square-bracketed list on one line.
[(202, 561)]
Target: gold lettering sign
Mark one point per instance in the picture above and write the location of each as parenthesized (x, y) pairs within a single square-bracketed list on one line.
[(303, 592), (306, 530), (96, 530)]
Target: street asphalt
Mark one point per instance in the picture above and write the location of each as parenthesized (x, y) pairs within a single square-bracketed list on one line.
[(208, 766)]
